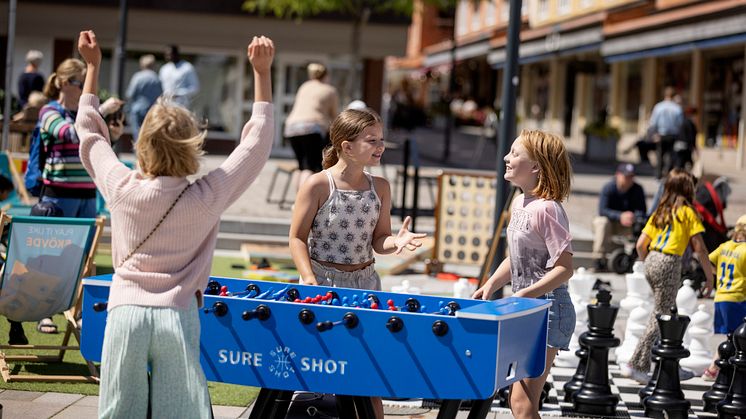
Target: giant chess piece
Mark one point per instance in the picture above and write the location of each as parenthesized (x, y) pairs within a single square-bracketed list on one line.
[(574, 383), (638, 289), (686, 303), (719, 389), (580, 288), (647, 391), (734, 404), (595, 396), (667, 400), (636, 323), (700, 331)]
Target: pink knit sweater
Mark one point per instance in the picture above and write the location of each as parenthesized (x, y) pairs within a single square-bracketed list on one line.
[(174, 264)]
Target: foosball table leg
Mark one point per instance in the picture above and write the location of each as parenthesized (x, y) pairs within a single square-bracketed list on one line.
[(345, 406), (263, 404), (480, 408), (281, 405), (449, 409), (364, 408)]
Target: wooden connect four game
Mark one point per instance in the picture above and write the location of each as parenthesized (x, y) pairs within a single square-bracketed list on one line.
[(464, 216)]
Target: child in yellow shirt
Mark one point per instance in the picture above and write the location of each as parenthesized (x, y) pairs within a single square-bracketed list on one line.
[(730, 281)]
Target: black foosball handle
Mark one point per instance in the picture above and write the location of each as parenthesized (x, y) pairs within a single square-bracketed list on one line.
[(219, 308), (100, 306), (349, 320), (262, 312), (306, 316), (394, 324)]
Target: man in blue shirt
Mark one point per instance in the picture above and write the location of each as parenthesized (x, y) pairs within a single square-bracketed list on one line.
[(178, 78), (142, 92), (622, 200), (665, 127)]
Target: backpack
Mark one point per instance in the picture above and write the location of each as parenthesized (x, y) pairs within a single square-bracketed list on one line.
[(37, 157)]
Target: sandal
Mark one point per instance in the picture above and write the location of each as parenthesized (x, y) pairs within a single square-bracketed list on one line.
[(710, 374), (46, 326)]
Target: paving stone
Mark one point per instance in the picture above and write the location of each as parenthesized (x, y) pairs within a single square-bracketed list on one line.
[(19, 395), (226, 412), (87, 401), (65, 399), (18, 409), (77, 412)]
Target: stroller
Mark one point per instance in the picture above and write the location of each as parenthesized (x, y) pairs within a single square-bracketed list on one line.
[(710, 200)]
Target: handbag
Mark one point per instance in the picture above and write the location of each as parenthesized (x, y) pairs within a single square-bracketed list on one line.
[(168, 211)]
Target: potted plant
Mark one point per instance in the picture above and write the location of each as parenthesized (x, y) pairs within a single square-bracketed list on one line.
[(600, 139)]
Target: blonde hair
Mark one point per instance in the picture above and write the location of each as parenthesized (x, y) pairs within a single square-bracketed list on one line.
[(346, 127), (170, 141), (739, 232), (316, 71), (147, 61), (555, 170), (66, 71)]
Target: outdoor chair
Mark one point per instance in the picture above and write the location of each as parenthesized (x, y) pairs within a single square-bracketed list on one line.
[(19, 201), (45, 259)]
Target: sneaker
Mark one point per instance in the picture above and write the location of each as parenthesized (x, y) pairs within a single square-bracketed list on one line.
[(637, 375), (685, 374), (710, 374)]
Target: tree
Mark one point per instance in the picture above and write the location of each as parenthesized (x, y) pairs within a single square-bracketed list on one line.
[(359, 10)]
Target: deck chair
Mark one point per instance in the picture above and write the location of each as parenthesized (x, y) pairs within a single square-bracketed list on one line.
[(19, 201), (45, 260)]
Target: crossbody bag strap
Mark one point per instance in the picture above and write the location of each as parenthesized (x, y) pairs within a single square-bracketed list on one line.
[(168, 211)]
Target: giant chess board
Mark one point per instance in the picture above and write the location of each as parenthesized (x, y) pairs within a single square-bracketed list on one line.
[(629, 405)]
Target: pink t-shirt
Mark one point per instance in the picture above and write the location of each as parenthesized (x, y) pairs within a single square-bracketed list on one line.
[(538, 233)]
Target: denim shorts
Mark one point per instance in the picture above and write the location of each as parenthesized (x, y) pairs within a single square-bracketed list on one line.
[(561, 318)]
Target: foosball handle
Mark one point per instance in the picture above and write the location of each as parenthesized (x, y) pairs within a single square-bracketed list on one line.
[(219, 308), (394, 324), (100, 306), (412, 305), (306, 316), (262, 312), (440, 328), (292, 294)]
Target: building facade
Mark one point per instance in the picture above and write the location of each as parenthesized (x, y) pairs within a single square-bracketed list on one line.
[(579, 57)]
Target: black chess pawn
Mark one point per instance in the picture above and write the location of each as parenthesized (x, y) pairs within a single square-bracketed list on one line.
[(573, 385), (734, 404), (719, 389), (667, 400), (595, 396)]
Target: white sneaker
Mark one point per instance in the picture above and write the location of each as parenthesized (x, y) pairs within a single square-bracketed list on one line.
[(628, 371)]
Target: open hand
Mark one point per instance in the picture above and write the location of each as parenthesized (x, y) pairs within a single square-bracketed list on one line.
[(261, 52), (485, 291), (89, 49), (407, 239)]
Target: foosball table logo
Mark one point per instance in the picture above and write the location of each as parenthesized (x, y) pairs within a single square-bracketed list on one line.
[(282, 357)]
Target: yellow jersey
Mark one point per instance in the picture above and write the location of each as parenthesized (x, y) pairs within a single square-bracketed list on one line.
[(730, 279), (673, 238)]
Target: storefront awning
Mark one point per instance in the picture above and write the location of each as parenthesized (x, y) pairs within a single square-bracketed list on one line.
[(713, 33), (555, 44), (463, 52)]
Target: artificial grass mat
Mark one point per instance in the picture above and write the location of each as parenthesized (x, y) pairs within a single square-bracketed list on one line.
[(73, 363)]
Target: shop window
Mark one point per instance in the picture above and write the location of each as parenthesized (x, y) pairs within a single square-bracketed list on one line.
[(564, 7), (722, 100), (461, 17), (490, 16)]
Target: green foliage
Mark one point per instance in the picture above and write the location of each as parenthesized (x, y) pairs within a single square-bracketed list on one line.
[(601, 130), (298, 9)]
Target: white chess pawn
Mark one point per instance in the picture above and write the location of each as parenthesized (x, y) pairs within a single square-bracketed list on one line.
[(700, 331), (638, 289), (636, 323), (580, 288), (405, 288), (686, 299), (463, 288)]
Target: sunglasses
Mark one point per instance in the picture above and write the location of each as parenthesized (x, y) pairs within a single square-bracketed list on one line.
[(76, 83)]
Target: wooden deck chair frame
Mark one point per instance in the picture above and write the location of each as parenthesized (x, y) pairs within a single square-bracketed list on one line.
[(17, 180), (71, 318)]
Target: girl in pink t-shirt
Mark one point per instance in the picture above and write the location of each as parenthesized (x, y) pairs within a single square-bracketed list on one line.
[(540, 262)]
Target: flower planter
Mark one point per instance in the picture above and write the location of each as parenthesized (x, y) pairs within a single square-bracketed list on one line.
[(601, 149)]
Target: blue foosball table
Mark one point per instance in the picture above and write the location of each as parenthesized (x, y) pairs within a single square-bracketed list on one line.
[(357, 343)]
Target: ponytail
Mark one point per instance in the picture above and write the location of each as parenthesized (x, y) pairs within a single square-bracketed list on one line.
[(51, 89), (331, 157)]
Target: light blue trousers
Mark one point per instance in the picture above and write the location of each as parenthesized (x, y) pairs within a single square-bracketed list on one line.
[(167, 341)]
